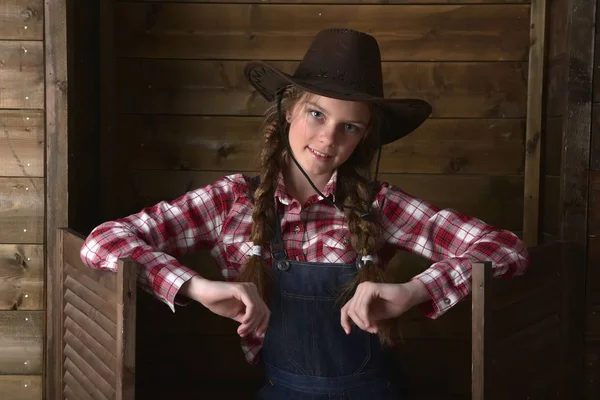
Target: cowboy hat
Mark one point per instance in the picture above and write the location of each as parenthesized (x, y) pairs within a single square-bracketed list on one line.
[(343, 64)]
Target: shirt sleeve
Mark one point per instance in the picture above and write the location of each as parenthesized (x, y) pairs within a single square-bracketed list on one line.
[(155, 236), (451, 240)]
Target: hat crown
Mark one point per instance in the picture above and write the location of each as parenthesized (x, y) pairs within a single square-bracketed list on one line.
[(346, 56)]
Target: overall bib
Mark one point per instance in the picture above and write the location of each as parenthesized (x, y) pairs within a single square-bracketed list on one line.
[(306, 353)]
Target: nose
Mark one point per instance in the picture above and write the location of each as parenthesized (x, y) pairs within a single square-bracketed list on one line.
[(328, 134)]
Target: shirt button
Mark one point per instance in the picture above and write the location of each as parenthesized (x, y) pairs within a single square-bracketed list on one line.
[(297, 228), (446, 301), (297, 258)]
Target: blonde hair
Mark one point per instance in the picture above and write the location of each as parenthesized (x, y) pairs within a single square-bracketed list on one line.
[(353, 190)]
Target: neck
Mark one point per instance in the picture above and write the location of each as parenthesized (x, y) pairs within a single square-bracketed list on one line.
[(298, 186)]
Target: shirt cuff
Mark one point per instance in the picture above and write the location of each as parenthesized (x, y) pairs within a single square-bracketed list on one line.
[(442, 290), (173, 281)]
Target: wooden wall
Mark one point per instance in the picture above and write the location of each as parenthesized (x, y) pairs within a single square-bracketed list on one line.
[(592, 345), (22, 196), (179, 115)]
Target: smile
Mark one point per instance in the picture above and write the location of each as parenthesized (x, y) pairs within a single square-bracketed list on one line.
[(318, 153)]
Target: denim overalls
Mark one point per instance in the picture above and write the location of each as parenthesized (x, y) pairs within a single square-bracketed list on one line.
[(306, 353)]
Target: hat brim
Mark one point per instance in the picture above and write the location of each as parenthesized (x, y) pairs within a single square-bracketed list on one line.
[(403, 115)]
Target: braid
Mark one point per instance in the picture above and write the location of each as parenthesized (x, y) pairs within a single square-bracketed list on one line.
[(263, 214)]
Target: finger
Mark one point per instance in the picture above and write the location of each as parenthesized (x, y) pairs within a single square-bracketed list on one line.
[(262, 327), (363, 302), (345, 318)]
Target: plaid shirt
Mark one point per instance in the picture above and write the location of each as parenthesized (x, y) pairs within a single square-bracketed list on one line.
[(218, 217)]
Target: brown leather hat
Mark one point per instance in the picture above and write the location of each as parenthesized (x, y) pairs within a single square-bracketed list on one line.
[(344, 64)]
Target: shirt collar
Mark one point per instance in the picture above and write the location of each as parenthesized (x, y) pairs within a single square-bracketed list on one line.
[(284, 197)]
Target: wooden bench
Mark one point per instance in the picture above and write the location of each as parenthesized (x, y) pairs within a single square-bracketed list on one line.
[(515, 330)]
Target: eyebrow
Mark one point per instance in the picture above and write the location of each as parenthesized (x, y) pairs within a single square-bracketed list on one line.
[(319, 108)]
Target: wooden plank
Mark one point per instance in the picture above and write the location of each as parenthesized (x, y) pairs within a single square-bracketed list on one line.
[(74, 376), (22, 143), (22, 210), (96, 331), (87, 279), (482, 328), (95, 316), (21, 342), (550, 205), (263, 31), (126, 329), (98, 381), (595, 150), (594, 204), (455, 90), (107, 309), (21, 387), (57, 195), (552, 146), (87, 355), (22, 75), (533, 131), (574, 183), (391, 2), (21, 277), (592, 370), (495, 199), (593, 271), (74, 388), (22, 20), (485, 146), (72, 328)]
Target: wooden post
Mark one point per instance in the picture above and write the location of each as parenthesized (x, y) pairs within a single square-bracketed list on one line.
[(481, 329), (533, 133)]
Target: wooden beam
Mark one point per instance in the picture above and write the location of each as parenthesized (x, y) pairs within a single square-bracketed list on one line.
[(574, 184), (533, 132), (55, 35), (481, 329)]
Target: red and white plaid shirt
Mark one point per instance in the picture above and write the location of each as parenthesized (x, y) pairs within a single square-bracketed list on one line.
[(218, 217)]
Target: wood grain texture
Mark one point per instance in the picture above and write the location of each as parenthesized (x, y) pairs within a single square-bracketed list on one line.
[(386, 2), (22, 20), (22, 143), (478, 146), (21, 277), (22, 210), (594, 204), (263, 31), (21, 387), (22, 75), (461, 89), (21, 342)]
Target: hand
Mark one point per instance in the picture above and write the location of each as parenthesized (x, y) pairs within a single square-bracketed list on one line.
[(373, 302), (238, 301)]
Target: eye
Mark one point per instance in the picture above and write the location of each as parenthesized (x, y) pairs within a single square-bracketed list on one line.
[(316, 114), (351, 128)]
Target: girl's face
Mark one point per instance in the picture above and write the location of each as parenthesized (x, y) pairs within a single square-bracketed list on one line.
[(324, 132)]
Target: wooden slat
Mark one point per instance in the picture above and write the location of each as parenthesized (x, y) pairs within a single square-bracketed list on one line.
[(21, 277), (22, 75), (105, 355), (82, 276), (90, 358), (108, 310), (106, 388), (74, 388), (485, 146), (264, 31), (90, 327), (392, 2), (21, 342), (482, 328), (22, 210), (549, 208), (534, 122), (594, 206), (595, 150), (95, 316), (21, 143), (21, 387), (593, 272), (22, 20), (461, 89), (126, 328), (83, 380), (495, 199)]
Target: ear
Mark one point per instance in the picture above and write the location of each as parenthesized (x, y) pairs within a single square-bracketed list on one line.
[(288, 116)]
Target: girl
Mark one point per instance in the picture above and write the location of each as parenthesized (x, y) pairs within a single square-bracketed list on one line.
[(303, 245)]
